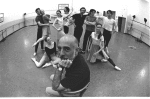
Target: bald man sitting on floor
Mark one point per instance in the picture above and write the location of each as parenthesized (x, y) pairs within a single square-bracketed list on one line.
[(77, 74)]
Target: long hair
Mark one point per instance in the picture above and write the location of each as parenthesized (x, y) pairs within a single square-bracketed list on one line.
[(100, 34)]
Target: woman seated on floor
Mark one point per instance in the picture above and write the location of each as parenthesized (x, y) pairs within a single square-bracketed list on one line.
[(96, 50), (49, 54), (96, 42)]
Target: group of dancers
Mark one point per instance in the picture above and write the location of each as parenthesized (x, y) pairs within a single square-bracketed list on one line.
[(98, 32)]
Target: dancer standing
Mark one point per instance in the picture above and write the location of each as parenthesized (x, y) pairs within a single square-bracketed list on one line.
[(40, 23), (67, 19), (78, 20), (90, 21), (109, 26), (59, 20)]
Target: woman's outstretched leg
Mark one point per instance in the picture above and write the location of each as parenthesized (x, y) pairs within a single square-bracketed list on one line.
[(110, 60)]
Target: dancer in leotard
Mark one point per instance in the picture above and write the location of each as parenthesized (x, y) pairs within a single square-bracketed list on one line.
[(49, 55)]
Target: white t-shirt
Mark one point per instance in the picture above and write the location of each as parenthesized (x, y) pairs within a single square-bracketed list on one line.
[(96, 41), (108, 23)]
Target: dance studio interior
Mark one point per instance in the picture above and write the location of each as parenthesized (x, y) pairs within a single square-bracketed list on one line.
[(129, 48)]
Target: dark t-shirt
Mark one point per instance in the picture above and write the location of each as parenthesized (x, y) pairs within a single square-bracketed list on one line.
[(79, 20), (39, 18), (90, 19), (77, 76)]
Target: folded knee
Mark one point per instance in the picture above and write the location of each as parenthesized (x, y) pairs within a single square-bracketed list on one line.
[(50, 91)]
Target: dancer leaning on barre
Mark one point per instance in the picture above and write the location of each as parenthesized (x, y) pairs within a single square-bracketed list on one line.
[(49, 55), (97, 48), (109, 26)]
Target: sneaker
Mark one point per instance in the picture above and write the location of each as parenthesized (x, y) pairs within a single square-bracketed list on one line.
[(34, 54), (104, 60), (117, 68)]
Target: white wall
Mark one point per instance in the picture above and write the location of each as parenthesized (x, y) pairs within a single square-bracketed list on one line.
[(14, 9), (101, 5), (141, 9)]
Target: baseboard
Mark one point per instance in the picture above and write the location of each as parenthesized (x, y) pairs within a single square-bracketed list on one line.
[(137, 39)]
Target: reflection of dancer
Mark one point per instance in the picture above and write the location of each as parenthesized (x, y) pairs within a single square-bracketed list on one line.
[(59, 20), (109, 26), (49, 55), (97, 48)]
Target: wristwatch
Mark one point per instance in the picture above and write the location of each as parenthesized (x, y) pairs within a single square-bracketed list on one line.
[(59, 68)]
